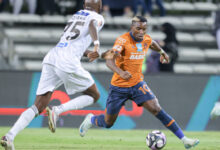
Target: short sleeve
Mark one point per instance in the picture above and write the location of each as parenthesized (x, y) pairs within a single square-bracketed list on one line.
[(100, 23), (119, 45), (149, 39)]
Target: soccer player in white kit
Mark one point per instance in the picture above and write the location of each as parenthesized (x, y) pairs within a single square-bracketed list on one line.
[(62, 66)]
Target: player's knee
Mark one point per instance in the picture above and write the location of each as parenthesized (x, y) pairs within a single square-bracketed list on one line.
[(155, 110), (109, 124), (153, 106), (96, 96)]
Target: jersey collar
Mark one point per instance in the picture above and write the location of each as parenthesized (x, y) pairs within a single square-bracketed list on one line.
[(134, 38)]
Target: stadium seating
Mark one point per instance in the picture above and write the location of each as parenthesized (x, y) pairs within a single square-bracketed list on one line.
[(29, 37)]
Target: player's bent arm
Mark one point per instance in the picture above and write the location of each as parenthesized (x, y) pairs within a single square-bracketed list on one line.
[(110, 56), (111, 64)]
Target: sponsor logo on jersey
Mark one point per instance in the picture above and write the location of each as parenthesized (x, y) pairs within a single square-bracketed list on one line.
[(139, 47), (137, 56), (62, 44), (82, 13)]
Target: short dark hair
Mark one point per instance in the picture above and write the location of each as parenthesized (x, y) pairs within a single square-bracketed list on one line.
[(139, 19)]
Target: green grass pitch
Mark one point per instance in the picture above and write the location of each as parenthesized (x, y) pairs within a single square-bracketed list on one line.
[(103, 139)]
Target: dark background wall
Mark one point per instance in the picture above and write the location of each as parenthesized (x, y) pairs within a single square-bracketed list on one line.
[(178, 94)]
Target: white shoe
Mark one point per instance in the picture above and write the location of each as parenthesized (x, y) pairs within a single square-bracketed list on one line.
[(52, 118), (215, 111), (189, 143), (86, 124), (7, 144)]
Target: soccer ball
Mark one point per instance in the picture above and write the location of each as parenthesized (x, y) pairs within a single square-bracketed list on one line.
[(156, 140)]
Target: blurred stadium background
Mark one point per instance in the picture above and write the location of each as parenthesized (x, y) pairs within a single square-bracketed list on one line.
[(26, 38), (189, 93)]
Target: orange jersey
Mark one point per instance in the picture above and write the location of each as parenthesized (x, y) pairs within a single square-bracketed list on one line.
[(131, 60)]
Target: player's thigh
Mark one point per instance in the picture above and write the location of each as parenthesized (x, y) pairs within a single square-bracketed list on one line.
[(116, 99), (142, 93), (78, 81), (49, 80)]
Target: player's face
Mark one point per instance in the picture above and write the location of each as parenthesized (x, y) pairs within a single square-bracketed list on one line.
[(139, 30)]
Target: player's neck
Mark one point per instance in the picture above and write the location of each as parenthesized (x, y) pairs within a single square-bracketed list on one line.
[(134, 38), (90, 9)]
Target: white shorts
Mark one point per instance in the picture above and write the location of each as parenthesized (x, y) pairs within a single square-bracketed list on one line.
[(52, 77)]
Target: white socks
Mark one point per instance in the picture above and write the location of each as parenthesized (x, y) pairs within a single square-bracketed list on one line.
[(23, 121), (184, 138), (28, 115), (74, 104)]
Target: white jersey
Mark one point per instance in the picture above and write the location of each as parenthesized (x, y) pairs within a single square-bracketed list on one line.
[(74, 42)]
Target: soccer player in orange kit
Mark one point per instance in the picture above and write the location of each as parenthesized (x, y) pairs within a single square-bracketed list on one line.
[(125, 60)]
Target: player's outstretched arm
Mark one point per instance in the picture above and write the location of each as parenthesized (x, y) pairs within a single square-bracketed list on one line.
[(94, 34), (164, 58)]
